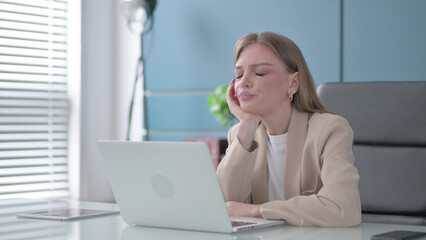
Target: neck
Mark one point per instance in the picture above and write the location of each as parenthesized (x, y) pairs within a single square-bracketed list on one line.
[(278, 121)]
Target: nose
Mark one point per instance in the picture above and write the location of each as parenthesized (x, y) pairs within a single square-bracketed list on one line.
[(246, 81)]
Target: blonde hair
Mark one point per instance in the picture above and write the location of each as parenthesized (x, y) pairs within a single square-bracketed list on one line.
[(306, 99)]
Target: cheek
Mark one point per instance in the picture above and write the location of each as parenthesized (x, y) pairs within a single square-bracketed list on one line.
[(277, 90)]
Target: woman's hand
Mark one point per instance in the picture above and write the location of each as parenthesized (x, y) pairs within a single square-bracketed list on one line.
[(234, 105), (243, 209), (248, 121)]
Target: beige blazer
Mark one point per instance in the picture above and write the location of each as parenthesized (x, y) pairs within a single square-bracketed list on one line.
[(320, 180)]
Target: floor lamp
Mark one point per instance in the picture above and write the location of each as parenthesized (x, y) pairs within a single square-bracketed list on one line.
[(138, 13)]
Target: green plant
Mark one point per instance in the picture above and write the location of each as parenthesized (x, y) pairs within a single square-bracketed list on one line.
[(219, 106)]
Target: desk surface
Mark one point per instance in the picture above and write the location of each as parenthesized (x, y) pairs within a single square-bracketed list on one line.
[(113, 227)]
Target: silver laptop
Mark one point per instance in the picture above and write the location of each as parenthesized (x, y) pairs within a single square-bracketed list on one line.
[(170, 185)]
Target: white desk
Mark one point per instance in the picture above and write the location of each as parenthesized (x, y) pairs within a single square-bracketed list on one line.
[(113, 227)]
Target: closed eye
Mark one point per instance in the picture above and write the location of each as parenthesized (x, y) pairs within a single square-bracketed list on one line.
[(260, 74), (238, 77)]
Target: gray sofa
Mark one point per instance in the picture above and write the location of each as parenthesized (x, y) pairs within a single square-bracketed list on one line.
[(389, 123)]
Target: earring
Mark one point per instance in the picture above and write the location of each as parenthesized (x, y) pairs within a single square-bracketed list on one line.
[(291, 97)]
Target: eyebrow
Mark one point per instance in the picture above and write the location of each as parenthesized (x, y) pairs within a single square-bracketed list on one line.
[(255, 65)]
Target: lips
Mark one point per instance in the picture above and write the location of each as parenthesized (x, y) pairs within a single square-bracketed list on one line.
[(245, 96)]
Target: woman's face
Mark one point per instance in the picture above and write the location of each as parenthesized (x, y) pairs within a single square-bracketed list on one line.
[(262, 80)]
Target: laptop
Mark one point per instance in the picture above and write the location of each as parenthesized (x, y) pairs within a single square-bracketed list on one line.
[(170, 185)]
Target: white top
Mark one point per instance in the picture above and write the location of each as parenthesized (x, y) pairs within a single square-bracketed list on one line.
[(275, 157)]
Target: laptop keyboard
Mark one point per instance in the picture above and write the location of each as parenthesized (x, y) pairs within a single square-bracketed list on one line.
[(238, 223)]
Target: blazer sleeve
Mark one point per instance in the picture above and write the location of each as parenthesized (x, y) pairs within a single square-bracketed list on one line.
[(337, 203), (235, 169)]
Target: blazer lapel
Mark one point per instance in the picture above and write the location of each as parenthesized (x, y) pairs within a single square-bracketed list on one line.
[(296, 138), (259, 180)]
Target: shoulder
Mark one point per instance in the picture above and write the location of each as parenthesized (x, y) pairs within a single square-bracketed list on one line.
[(327, 119), (327, 123)]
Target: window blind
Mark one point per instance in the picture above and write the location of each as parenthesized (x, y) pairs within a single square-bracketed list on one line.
[(33, 99), (12, 227)]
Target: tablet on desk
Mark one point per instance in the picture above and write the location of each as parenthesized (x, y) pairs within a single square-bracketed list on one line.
[(67, 214)]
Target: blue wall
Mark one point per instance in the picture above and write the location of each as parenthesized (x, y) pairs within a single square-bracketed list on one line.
[(384, 40), (190, 51)]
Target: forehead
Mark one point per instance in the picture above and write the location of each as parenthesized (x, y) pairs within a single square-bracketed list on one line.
[(255, 53)]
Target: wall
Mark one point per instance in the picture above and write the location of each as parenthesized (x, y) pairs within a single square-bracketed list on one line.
[(384, 40), (109, 55), (190, 51)]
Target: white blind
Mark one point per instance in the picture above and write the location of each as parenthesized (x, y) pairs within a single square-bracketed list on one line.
[(12, 227), (33, 99)]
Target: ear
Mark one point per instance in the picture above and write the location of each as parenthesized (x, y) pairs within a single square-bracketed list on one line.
[(293, 83)]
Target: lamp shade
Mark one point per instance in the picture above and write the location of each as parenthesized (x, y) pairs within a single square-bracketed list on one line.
[(137, 12)]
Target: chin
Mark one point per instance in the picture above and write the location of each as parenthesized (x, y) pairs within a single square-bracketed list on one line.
[(251, 110)]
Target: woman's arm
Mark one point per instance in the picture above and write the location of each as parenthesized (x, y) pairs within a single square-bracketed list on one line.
[(248, 122), (235, 169)]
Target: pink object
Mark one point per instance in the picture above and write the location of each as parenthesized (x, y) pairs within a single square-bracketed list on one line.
[(214, 146)]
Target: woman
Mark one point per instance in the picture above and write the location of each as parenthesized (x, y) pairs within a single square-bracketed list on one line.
[(288, 157)]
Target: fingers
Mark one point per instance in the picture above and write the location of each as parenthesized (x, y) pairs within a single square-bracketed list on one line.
[(243, 209), (230, 95), (231, 92), (230, 207), (231, 89)]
